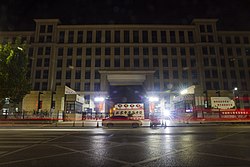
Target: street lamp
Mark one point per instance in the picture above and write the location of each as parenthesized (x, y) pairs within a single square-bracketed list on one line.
[(235, 97)]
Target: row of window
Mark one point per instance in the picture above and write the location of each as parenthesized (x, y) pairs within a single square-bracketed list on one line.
[(126, 36), (144, 51)]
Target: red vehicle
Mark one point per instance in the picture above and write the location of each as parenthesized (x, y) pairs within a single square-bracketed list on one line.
[(155, 119), (121, 121)]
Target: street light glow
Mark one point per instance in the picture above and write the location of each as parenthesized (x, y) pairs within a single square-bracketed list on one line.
[(153, 99), (183, 92), (235, 88), (99, 99)]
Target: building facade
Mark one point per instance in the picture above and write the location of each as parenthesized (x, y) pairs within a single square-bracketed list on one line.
[(162, 58)]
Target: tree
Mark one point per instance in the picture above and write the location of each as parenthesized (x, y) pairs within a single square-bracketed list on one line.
[(14, 83)]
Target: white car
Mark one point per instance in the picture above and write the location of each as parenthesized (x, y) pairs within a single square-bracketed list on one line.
[(121, 121)]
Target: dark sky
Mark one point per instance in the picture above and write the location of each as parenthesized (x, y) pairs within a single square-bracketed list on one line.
[(19, 14)]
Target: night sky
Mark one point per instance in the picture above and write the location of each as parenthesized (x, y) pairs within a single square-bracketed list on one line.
[(19, 14)]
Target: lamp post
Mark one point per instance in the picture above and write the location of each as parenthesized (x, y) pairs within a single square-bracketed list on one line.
[(39, 101), (235, 97)]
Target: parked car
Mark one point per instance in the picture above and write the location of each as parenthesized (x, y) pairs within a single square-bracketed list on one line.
[(121, 121)]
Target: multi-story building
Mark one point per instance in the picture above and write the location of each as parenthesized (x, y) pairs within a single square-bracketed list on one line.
[(162, 58)]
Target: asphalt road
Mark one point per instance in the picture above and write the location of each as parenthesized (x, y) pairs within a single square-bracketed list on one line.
[(173, 146)]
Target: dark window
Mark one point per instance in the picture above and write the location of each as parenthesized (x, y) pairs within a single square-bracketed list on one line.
[(98, 63), (237, 40), (37, 86), (39, 62), (224, 74), (98, 36), (233, 74), (126, 63), (183, 51), (155, 51), (185, 74), (69, 62), (164, 50), (71, 37), (193, 62), (246, 40), (204, 51), (165, 74), (88, 51), (61, 36), (210, 38), (190, 37), (40, 51), (59, 63), (209, 28), (184, 62), (46, 62), (80, 37), (87, 74), (42, 28), (208, 85), (126, 51), (107, 51), (165, 62), (77, 86), (154, 36), (117, 37), (221, 50), (240, 63), (44, 85), (38, 74), (145, 62), (88, 63), (212, 50), (172, 37), (231, 62), (194, 74), (97, 51), (145, 36), (202, 28), (223, 62), (247, 51), (117, 51), (50, 28), (47, 50), (207, 74), (107, 62), (70, 52), (78, 74), (107, 36), (174, 63), (136, 62), (97, 74), (238, 51), (79, 51), (173, 51), (45, 74), (242, 74), (136, 51), (203, 38), (60, 51), (135, 36), (78, 62), (214, 74), (89, 36), (191, 51), (58, 74), (126, 36), (206, 61), (96, 86), (163, 37), (175, 74), (228, 40), (117, 63), (68, 74), (155, 62), (181, 37), (230, 51), (87, 86), (145, 51)]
